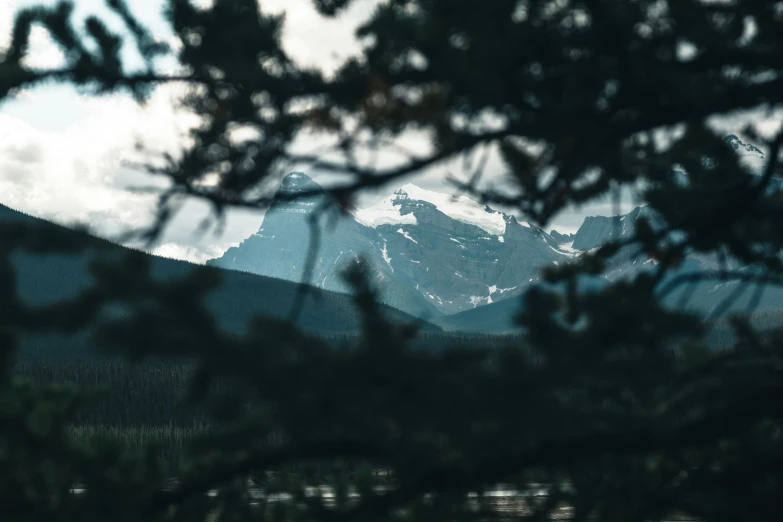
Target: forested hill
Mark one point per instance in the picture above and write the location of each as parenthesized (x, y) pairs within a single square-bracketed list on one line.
[(47, 278)]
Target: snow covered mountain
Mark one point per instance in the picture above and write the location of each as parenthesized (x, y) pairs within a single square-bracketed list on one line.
[(456, 252), (432, 253), (280, 248), (701, 298)]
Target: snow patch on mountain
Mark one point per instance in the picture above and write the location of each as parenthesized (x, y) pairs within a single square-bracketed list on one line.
[(431, 296), (568, 247), (459, 208), (406, 235), (476, 300), (385, 254), (385, 212)]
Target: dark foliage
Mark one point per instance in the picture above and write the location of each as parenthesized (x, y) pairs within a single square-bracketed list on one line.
[(611, 401)]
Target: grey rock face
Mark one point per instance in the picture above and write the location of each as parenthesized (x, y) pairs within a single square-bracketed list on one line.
[(459, 266), (561, 238), (597, 230), (431, 254), (280, 249)]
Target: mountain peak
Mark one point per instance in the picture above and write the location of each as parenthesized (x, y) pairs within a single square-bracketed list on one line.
[(290, 196), (460, 208), (298, 182)]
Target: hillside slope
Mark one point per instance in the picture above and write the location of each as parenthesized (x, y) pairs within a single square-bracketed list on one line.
[(51, 278)]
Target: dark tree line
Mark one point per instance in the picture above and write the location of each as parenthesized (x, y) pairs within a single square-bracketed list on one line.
[(594, 401)]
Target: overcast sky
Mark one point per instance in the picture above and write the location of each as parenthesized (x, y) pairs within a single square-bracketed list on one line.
[(61, 154)]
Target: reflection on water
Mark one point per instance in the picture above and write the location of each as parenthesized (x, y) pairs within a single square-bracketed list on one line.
[(502, 499), (327, 493)]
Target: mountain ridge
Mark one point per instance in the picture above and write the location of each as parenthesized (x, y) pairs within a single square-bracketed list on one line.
[(433, 254), (52, 278), (452, 251)]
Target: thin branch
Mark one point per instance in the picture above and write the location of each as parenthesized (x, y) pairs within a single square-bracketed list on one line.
[(304, 287), (727, 302)]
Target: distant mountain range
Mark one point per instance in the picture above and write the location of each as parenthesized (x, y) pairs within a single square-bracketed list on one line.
[(433, 254), (447, 258), (457, 263)]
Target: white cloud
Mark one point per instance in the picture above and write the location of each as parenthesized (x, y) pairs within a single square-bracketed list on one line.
[(77, 175), (316, 41), (44, 52), (764, 121), (191, 253), (61, 154), (7, 9)]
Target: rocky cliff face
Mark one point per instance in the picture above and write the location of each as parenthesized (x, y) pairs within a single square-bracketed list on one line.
[(597, 230), (561, 238), (432, 254), (281, 246), (456, 252)]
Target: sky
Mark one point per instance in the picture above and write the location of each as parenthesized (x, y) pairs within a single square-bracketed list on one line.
[(63, 156)]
